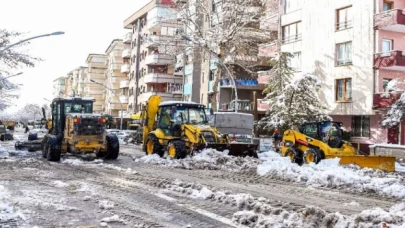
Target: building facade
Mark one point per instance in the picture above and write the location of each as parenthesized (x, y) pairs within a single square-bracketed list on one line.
[(115, 96), (151, 66), (59, 87), (96, 68), (354, 48)]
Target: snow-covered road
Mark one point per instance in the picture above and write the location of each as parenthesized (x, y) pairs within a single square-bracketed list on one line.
[(208, 190)]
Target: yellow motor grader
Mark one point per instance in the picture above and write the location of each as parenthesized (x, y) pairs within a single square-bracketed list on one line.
[(76, 129), (175, 129), (322, 140)]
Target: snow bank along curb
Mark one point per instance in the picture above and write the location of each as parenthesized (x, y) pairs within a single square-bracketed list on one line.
[(8, 213), (257, 212)]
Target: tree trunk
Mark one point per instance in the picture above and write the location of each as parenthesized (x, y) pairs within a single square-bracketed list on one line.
[(217, 77)]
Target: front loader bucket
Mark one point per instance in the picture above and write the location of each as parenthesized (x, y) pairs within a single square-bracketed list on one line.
[(385, 163), (235, 149)]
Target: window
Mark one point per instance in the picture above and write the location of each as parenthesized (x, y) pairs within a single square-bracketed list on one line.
[(344, 53), (344, 18), (361, 126), (292, 32), (202, 78), (386, 45), (344, 89), (385, 84), (295, 62), (202, 99), (291, 5), (387, 6), (211, 76)]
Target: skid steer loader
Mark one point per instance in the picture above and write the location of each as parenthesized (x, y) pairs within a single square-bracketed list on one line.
[(76, 129), (322, 140), (180, 128)]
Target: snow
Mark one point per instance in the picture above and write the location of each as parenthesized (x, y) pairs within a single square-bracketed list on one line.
[(7, 211), (105, 204), (59, 184)]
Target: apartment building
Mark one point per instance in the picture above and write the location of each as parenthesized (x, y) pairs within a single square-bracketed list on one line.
[(353, 47), (59, 87), (75, 85), (151, 65), (96, 68), (115, 95)]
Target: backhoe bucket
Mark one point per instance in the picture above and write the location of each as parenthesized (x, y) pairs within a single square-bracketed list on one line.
[(385, 163), (235, 149)]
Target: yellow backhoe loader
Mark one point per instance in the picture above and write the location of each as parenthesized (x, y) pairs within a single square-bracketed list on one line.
[(322, 140), (181, 128)]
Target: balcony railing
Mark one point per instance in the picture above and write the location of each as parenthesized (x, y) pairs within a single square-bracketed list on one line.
[(124, 84), (243, 105), (125, 68), (392, 20), (162, 21), (155, 40), (127, 38), (293, 38), (161, 78), (126, 53), (239, 82), (268, 50), (384, 100), (159, 59), (393, 60)]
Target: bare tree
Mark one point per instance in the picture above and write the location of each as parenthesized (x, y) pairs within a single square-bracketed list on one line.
[(10, 60), (229, 31)]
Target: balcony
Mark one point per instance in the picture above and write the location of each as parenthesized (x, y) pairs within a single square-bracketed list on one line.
[(127, 39), (124, 99), (159, 59), (250, 84), (154, 40), (115, 66), (392, 20), (268, 50), (384, 100), (125, 68), (126, 53), (161, 78), (394, 60), (243, 105), (154, 24), (165, 96), (264, 77), (262, 105), (124, 84)]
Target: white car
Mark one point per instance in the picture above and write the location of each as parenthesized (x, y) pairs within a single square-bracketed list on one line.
[(122, 135)]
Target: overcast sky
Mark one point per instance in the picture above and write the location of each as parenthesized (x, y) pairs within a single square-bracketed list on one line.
[(89, 26)]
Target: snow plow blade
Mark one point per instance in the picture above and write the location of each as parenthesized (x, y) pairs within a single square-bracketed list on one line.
[(385, 163), (235, 149)]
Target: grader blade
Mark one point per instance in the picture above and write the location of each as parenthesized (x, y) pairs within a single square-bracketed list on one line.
[(385, 163)]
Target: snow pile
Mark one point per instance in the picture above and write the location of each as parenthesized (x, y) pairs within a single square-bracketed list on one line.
[(8, 214), (262, 212), (112, 219), (125, 170), (105, 204), (59, 184), (207, 159), (328, 173), (71, 161)]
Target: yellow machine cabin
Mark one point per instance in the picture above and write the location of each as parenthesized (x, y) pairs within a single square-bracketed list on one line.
[(76, 129), (180, 128), (322, 140)]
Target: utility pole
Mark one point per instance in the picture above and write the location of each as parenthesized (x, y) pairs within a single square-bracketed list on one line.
[(137, 63)]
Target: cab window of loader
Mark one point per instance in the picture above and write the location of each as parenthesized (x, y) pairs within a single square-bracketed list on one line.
[(311, 130), (78, 107)]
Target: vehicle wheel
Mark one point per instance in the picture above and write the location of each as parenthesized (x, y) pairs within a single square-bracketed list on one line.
[(44, 145), (153, 146), (113, 147), (2, 138), (312, 155), (53, 152), (176, 150), (294, 154)]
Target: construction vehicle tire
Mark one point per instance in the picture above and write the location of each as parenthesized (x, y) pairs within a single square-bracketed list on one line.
[(153, 146), (176, 149), (2, 138), (312, 155), (294, 154), (44, 146), (54, 153), (113, 147)]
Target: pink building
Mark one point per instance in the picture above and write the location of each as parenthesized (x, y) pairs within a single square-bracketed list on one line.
[(355, 48)]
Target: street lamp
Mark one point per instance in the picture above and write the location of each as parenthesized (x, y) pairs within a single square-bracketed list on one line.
[(11, 76), (34, 37), (226, 68), (114, 94)]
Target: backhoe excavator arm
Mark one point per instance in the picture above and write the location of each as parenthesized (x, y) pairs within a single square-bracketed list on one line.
[(152, 107)]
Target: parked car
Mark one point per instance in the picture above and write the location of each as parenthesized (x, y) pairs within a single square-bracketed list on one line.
[(112, 131), (122, 135)]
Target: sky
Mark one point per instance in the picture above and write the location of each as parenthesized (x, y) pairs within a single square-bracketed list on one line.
[(89, 26)]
